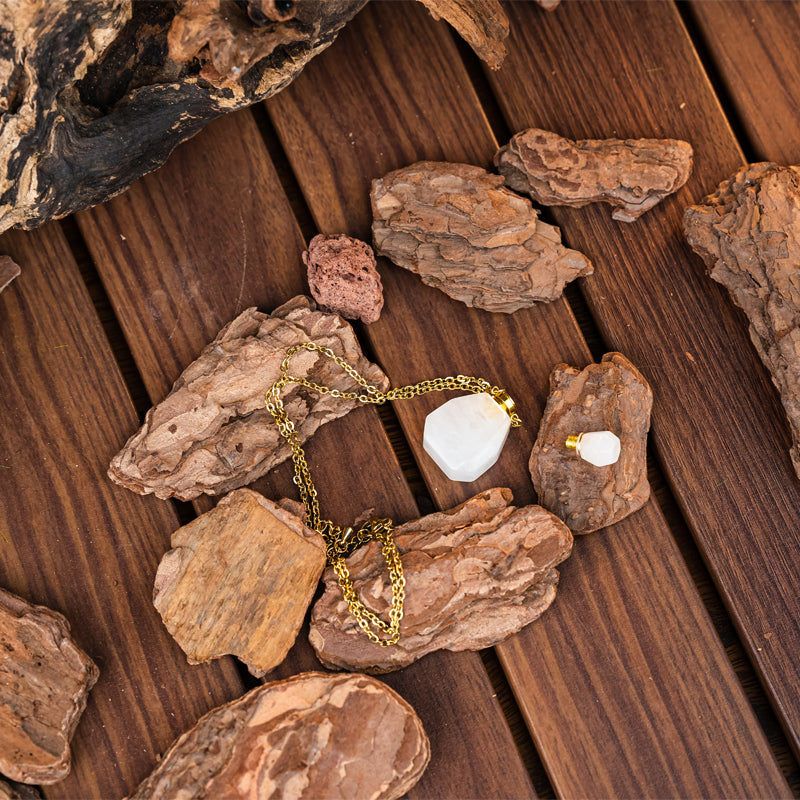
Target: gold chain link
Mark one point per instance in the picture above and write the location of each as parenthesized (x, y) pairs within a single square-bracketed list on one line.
[(340, 542)]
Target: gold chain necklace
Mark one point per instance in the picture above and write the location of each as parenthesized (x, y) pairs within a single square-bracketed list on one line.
[(340, 542)]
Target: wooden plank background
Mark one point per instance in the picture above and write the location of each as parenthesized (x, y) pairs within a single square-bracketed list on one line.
[(624, 687)]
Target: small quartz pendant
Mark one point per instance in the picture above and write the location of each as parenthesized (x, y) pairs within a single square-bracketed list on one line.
[(466, 435)]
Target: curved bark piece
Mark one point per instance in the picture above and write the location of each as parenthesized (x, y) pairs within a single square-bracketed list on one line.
[(612, 396), (212, 433), (9, 270), (474, 575), (748, 235), (632, 175), (314, 735), (44, 685), (462, 231), (96, 93)]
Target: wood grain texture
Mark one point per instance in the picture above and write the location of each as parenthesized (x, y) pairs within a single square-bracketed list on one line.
[(193, 258), (75, 543), (754, 49), (717, 421), (640, 701)]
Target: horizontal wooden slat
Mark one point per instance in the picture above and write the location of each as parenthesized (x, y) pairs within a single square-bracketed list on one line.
[(624, 683), (250, 255), (717, 422), (73, 541)]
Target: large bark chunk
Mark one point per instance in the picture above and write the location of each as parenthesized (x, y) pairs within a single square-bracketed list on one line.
[(482, 23), (463, 232), (748, 235), (239, 581), (632, 175), (96, 93), (312, 736), (44, 683), (609, 396), (212, 433), (474, 575)]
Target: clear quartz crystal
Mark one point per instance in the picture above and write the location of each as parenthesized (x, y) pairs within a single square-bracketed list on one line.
[(465, 436), (600, 448)]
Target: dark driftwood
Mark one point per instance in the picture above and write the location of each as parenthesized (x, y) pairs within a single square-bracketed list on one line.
[(312, 736), (96, 93)]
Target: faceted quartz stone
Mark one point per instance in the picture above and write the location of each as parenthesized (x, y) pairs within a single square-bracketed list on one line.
[(601, 448), (465, 435)]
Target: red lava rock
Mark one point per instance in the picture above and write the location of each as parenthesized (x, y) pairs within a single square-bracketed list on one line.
[(343, 277)]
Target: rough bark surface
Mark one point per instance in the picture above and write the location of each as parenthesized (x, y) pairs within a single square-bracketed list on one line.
[(343, 278), (239, 580), (18, 791), (481, 23), (462, 231), (212, 433), (748, 235), (44, 684), (314, 735), (632, 175), (96, 93), (8, 271), (609, 396), (474, 575)]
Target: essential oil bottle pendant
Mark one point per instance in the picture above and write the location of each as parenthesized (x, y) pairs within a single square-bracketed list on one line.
[(465, 435)]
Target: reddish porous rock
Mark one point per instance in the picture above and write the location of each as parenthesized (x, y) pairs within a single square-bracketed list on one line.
[(213, 433), (612, 396), (474, 575), (463, 232), (630, 174), (343, 278), (312, 736), (44, 683), (748, 235), (8, 271)]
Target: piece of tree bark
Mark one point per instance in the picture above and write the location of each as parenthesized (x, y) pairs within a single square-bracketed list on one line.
[(748, 235), (212, 433), (44, 684), (632, 175), (343, 278), (474, 575), (482, 24), (239, 580), (609, 396), (9, 270), (96, 93), (315, 735), (462, 231)]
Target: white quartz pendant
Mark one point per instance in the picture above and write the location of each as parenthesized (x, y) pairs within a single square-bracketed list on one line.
[(600, 448), (465, 435)]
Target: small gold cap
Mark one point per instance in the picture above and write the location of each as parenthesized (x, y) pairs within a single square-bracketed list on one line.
[(572, 442), (505, 402)]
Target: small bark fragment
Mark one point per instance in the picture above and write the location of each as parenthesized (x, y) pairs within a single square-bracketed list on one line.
[(748, 235), (44, 684), (474, 575), (343, 277), (315, 735), (239, 581), (481, 23), (18, 791), (212, 433), (609, 396), (8, 271), (632, 175), (462, 231)]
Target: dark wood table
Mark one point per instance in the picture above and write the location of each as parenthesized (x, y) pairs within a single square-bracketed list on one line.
[(669, 665)]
